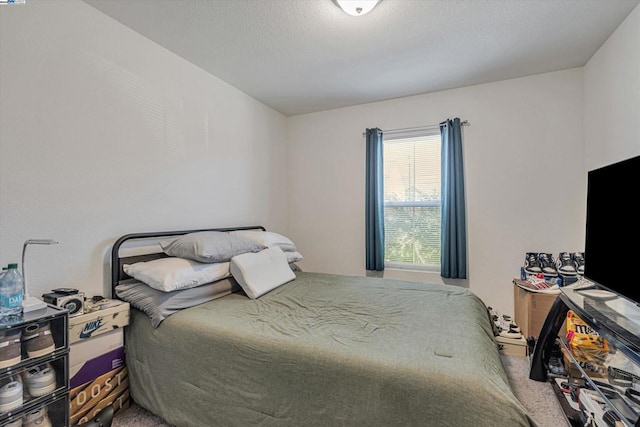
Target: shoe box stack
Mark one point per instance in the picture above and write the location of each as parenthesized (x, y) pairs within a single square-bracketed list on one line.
[(98, 372), (34, 384), (538, 286)]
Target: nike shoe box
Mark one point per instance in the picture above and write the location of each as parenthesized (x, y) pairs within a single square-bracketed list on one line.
[(84, 361), (114, 315)]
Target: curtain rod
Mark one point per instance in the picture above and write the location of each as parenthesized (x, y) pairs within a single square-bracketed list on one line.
[(462, 123)]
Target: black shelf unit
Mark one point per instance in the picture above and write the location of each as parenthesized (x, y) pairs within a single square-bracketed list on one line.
[(614, 317), (56, 401)]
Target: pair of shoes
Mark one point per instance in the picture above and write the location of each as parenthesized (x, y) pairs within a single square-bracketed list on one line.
[(40, 380), (540, 263), (506, 327), (34, 418), (38, 340), (10, 349), (10, 394), (37, 418), (571, 264)]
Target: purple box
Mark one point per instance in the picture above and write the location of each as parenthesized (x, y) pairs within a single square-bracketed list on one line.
[(92, 369)]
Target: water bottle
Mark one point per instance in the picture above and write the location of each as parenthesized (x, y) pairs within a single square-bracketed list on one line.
[(11, 285)]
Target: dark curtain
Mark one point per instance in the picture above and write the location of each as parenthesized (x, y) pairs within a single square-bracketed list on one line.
[(454, 231), (374, 217)]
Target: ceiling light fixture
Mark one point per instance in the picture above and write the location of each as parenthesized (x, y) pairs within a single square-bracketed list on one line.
[(357, 7)]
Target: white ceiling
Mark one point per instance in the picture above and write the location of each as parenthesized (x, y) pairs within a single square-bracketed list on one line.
[(301, 56)]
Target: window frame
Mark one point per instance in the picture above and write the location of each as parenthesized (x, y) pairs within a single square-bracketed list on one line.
[(390, 137)]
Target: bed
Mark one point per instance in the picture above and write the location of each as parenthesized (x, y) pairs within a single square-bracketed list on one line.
[(320, 350)]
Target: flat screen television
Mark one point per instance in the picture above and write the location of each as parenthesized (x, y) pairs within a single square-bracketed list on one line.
[(613, 225)]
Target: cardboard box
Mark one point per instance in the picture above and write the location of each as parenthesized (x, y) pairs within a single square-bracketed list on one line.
[(512, 347), (531, 309), (98, 322), (85, 350), (89, 370), (88, 399)]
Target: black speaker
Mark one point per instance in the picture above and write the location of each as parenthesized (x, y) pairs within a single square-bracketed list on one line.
[(72, 302)]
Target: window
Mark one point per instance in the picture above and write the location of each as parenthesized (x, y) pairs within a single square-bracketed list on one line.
[(412, 200)]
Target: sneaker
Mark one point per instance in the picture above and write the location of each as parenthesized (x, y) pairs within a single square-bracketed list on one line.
[(503, 321), (40, 380), (15, 423), (556, 366), (565, 264), (38, 340), (578, 262), (548, 264), (10, 348), (10, 394), (532, 264), (504, 325), (37, 418)]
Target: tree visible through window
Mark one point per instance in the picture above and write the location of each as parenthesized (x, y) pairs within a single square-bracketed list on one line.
[(412, 199)]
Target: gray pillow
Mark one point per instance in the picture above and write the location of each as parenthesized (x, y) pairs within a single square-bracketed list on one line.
[(159, 305), (210, 246)]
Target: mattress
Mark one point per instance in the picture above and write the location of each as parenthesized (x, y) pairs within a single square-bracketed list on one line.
[(325, 350)]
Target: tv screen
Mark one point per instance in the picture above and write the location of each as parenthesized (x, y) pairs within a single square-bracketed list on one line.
[(613, 225)]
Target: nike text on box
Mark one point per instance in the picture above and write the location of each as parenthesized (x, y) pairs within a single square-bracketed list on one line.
[(98, 322)]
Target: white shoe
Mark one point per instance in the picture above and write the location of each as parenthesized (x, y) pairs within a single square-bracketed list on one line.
[(10, 395), (40, 380), (37, 418), (502, 321)]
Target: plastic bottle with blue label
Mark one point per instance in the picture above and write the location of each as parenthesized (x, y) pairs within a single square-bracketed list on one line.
[(11, 285)]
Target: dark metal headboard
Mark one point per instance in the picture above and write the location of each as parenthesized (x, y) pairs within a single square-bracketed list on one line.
[(118, 274)]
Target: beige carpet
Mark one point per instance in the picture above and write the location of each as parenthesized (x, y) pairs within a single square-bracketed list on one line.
[(537, 397)]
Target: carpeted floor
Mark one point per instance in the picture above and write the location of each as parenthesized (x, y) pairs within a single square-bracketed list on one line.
[(537, 397), (136, 416)]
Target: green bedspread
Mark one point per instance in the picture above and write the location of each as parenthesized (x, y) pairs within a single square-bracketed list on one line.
[(325, 350)]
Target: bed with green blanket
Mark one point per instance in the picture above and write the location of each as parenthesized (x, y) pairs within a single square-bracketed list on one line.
[(325, 350)]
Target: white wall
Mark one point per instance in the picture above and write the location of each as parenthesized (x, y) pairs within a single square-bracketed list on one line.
[(104, 133), (612, 97), (525, 189)]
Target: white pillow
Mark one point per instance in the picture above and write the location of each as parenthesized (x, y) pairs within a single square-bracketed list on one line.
[(267, 238), (294, 256), (259, 273), (173, 273)]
